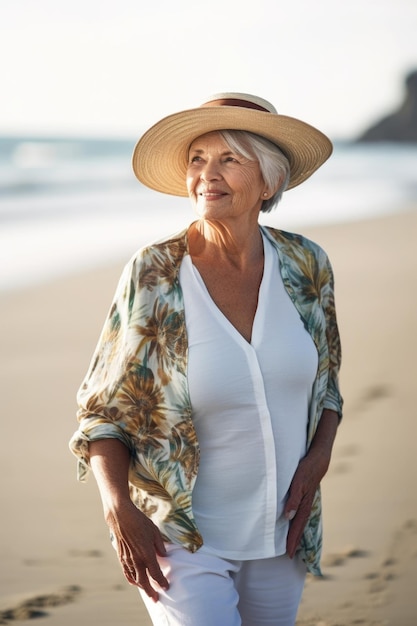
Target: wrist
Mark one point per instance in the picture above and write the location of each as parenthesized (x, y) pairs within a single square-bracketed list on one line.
[(320, 460), (114, 504)]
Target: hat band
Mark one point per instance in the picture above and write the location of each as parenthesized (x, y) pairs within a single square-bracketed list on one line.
[(235, 102)]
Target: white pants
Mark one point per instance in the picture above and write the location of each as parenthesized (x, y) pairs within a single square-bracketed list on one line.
[(207, 590)]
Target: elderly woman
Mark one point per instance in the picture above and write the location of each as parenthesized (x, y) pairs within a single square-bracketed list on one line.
[(211, 404)]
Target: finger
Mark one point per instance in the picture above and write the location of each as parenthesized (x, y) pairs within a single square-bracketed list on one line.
[(296, 528), (140, 580), (289, 515), (294, 500), (293, 540), (144, 583), (130, 575), (147, 564), (128, 567), (157, 575), (159, 544), (295, 497)]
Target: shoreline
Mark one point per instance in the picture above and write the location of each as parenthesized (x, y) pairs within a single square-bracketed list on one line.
[(58, 564), (44, 254)]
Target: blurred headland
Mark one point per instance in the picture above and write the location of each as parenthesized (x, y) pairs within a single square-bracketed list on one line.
[(401, 125)]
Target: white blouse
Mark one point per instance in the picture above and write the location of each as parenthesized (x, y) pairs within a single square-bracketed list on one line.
[(249, 402)]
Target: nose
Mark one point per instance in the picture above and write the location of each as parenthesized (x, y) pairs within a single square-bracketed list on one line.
[(210, 171)]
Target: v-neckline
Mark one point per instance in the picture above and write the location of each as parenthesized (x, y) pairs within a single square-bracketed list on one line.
[(260, 307)]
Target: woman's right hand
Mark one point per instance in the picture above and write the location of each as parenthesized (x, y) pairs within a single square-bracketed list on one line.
[(138, 542), (135, 537)]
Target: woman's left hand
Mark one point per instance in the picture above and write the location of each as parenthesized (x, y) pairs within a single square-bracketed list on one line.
[(300, 500), (307, 478)]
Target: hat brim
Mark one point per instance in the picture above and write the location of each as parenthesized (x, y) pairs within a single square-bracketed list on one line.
[(161, 154)]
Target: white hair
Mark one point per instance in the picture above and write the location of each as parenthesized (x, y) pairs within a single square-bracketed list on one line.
[(273, 163)]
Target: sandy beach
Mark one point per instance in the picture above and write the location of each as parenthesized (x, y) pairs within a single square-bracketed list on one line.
[(57, 564)]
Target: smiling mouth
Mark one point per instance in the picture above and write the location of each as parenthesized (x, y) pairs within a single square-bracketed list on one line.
[(209, 195)]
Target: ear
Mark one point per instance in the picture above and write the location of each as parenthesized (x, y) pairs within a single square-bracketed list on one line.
[(268, 193)]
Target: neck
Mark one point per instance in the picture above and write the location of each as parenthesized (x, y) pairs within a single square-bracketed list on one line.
[(221, 241)]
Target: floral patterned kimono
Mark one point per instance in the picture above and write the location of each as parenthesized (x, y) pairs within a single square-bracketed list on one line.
[(136, 387)]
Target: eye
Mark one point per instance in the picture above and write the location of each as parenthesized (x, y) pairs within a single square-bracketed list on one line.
[(195, 159), (231, 159)]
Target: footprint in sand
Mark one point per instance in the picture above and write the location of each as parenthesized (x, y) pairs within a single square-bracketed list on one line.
[(33, 607), (339, 558), (399, 551), (374, 393), (343, 454)]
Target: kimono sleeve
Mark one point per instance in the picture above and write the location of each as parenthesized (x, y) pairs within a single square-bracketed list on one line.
[(101, 413), (333, 399)]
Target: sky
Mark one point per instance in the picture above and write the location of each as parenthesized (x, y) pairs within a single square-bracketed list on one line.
[(113, 68)]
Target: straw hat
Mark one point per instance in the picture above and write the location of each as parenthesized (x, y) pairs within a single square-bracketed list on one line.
[(160, 156)]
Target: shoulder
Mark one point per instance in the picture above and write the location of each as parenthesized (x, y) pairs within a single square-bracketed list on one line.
[(158, 263), (295, 246), (301, 259), (171, 246)]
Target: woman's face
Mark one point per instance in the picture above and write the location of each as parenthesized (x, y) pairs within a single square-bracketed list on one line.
[(221, 183)]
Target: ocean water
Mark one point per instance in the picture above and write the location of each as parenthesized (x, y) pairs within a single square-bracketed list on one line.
[(72, 204)]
